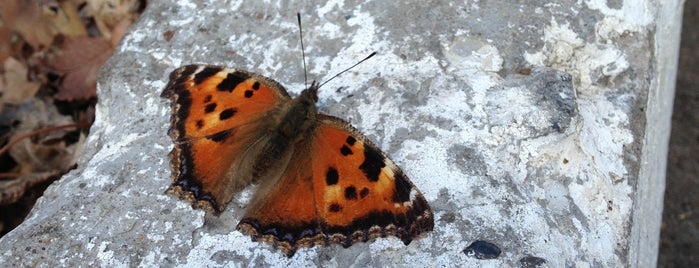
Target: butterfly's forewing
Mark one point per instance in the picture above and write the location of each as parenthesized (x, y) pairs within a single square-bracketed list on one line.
[(216, 118)]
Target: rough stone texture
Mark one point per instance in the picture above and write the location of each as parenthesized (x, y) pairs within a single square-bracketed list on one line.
[(523, 124)]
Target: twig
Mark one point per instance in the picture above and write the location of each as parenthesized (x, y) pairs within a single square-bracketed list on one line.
[(40, 131)]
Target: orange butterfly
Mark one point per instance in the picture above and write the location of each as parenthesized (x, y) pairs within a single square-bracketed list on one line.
[(320, 180)]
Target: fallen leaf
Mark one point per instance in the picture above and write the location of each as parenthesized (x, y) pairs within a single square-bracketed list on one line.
[(46, 42), (38, 22), (28, 21), (8, 15), (109, 14), (43, 152), (79, 61), (66, 19), (12, 190), (14, 83)]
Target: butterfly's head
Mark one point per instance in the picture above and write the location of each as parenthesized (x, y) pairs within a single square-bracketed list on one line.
[(311, 93)]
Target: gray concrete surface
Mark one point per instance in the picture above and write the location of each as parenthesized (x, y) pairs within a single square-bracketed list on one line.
[(524, 125)]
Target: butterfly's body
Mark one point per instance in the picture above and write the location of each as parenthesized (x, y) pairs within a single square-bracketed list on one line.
[(293, 121), (320, 180), (299, 116)]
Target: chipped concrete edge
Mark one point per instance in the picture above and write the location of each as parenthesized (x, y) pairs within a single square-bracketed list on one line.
[(647, 212)]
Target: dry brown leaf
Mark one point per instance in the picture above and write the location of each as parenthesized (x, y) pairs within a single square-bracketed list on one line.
[(5, 47), (38, 22), (66, 20), (46, 151), (40, 150), (79, 61), (48, 141), (12, 190), (8, 15), (14, 83), (28, 22), (108, 14)]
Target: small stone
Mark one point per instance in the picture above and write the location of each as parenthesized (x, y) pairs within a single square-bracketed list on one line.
[(482, 250)]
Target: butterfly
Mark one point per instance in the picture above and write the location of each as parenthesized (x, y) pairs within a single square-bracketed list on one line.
[(319, 180)]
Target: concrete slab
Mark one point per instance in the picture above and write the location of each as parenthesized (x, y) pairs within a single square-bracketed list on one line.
[(531, 129)]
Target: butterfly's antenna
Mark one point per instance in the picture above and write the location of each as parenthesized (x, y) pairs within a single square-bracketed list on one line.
[(338, 74), (303, 52)]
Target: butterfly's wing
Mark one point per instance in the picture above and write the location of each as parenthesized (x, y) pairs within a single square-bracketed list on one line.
[(216, 118), (284, 212), (338, 188), (360, 193)]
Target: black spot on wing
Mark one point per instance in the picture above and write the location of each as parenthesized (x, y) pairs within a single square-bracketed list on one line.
[(209, 108), (373, 163), (334, 207), (331, 177), (220, 136), (364, 192), (351, 140), (256, 85), (200, 124), (206, 73), (231, 81), (350, 193), (403, 187), (248, 93), (207, 99), (227, 113), (345, 150)]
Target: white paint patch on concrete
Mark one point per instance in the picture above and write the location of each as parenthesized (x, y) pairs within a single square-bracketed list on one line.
[(474, 60), (106, 257), (633, 14), (330, 6), (107, 154)]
